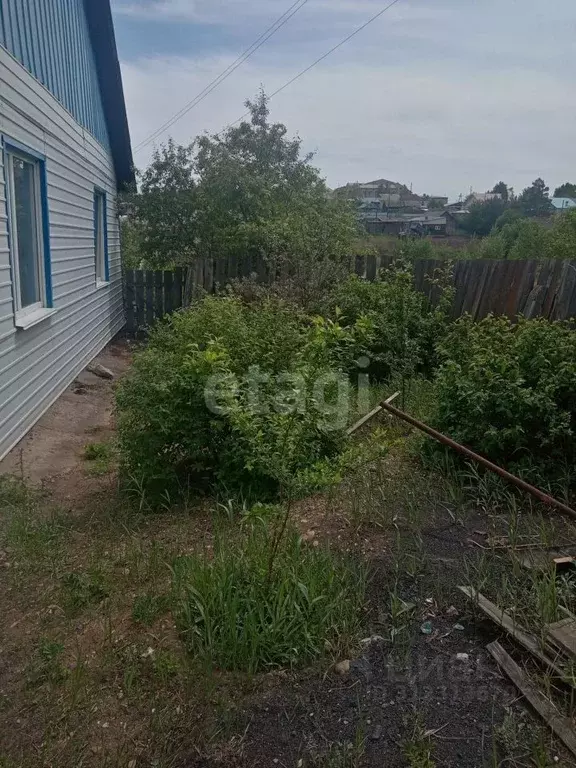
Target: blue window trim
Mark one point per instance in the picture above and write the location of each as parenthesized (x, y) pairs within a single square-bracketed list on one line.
[(11, 144), (101, 193)]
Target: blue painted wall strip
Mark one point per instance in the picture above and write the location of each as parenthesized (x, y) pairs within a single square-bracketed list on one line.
[(51, 38)]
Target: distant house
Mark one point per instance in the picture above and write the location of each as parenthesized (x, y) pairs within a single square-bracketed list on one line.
[(563, 203), (428, 224), (65, 153)]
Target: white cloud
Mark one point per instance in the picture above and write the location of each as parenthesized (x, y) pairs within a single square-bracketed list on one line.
[(235, 12), (444, 95), (438, 129)]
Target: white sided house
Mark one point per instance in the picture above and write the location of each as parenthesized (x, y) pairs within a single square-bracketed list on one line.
[(64, 154)]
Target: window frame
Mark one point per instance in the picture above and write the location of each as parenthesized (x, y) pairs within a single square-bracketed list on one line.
[(101, 223), (29, 315)]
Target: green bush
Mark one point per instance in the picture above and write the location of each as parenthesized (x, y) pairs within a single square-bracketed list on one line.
[(257, 366), (246, 608), (509, 391), (392, 324)]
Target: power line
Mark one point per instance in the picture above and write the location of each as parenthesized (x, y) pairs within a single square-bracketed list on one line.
[(258, 43), (324, 56)]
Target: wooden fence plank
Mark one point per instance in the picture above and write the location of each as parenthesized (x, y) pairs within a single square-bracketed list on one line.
[(566, 288), (149, 283), (178, 288), (360, 266), (129, 300), (140, 298), (371, 267), (511, 288), (158, 294), (168, 292)]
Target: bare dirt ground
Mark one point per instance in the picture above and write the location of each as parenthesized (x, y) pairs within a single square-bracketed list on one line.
[(93, 672), (51, 452)]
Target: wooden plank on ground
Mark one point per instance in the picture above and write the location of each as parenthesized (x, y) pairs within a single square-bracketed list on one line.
[(563, 635), (560, 725), (525, 639), (370, 415)]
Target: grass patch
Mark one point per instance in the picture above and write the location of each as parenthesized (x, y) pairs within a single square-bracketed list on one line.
[(100, 457), (148, 608), (250, 606), (340, 755), (47, 666), (418, 748), (80, 590)]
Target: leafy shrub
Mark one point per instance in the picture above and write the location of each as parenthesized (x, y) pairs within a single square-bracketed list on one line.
[(393, 325), (509, 391), (257, 366), (251, 606)]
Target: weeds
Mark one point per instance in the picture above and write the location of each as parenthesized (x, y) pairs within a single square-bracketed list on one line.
[(236, 613), (340, 755), (100, 457), (418, 748), (83, 589), (148, 608), (47, 667)]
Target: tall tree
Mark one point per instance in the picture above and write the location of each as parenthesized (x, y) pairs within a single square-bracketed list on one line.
[(483, 216), (535, 199), (566, 190), (249, 191), (164, 211), (259, 194), (501, 189)]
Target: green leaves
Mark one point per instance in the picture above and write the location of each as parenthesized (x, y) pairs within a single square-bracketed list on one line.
[(247, 192), (246, 396), (236, 615), (509, 391)]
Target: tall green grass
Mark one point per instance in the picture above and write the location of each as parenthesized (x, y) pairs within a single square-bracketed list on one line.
[(252, 604)]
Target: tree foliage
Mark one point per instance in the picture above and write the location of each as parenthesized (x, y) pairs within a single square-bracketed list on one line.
[(507, 391), (566, 190), (248, 191), (164, 210), (535, 199), (483, 216), (501, 189)]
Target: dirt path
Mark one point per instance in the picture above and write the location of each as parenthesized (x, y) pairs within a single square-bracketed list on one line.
[(51, 452)]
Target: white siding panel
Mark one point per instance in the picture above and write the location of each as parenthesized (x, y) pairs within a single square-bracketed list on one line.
[(37, 364)]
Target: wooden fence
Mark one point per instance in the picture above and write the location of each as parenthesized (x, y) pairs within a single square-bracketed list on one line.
[(529, 288), (149, 295)]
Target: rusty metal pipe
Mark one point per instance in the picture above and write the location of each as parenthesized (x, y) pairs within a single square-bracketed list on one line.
[(517, 481)]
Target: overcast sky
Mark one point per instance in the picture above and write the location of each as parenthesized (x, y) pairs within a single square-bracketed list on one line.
[(441, 94)]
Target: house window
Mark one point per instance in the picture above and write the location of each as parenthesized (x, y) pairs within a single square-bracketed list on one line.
[(100, 237), (28, 226)]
